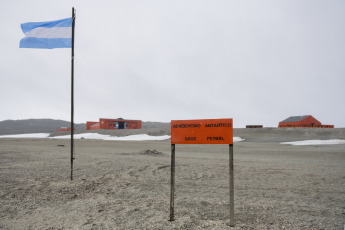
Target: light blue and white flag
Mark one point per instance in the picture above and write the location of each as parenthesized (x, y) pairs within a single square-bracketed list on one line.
[(47, 35)]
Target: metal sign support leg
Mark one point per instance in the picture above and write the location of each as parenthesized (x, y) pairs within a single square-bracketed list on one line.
[(172, 182), (231, 180)]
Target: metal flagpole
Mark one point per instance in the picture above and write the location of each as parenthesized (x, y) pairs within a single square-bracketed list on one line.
[(72, 94)]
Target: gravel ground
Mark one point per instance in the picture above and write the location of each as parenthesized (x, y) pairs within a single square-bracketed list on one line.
[(126, 185)]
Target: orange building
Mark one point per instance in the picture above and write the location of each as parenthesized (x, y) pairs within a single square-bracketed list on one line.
[(118, 123), (64, 129), (302, 121)]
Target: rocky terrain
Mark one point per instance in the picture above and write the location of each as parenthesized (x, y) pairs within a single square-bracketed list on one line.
[(126, 184)]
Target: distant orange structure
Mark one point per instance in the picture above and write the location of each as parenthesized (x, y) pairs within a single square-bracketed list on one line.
[(254, 126), (302, 121), (64, 129), (118, 123)]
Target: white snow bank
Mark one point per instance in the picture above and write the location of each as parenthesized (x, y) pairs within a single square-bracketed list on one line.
[(94, 136), (97, 136), (27, 135), (237, 139), (143, 137), (315, 142)]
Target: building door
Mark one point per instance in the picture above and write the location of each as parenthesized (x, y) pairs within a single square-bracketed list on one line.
[(121, 125)]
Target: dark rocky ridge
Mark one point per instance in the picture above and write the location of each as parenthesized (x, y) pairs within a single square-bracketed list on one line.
[(34, 126), (8, 127)]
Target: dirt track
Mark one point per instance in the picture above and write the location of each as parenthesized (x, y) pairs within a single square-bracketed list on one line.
[(117, 185)]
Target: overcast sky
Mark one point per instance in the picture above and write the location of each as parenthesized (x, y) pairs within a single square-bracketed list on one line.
[(257, 62)]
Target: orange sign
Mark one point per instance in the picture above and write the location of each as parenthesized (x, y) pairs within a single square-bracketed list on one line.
[(208, 131)]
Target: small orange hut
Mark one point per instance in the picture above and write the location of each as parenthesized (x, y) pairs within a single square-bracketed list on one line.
[(64, 129), (302, 121), (118, 123)]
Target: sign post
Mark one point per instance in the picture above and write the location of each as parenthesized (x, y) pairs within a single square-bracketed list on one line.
[(207, 131), (172, 182), (231, 183)]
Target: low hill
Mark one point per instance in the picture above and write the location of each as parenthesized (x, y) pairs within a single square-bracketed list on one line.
[(9, 127), (289, 134), (34, 126)]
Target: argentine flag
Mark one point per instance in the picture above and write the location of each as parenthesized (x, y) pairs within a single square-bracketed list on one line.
[(47, 35)]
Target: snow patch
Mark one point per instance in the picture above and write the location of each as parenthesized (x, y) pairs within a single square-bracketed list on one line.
[(237, 139), (97, 136), (27, 135), (315, 142)]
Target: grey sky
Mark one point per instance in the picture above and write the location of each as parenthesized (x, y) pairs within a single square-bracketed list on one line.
[(258, 62)]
